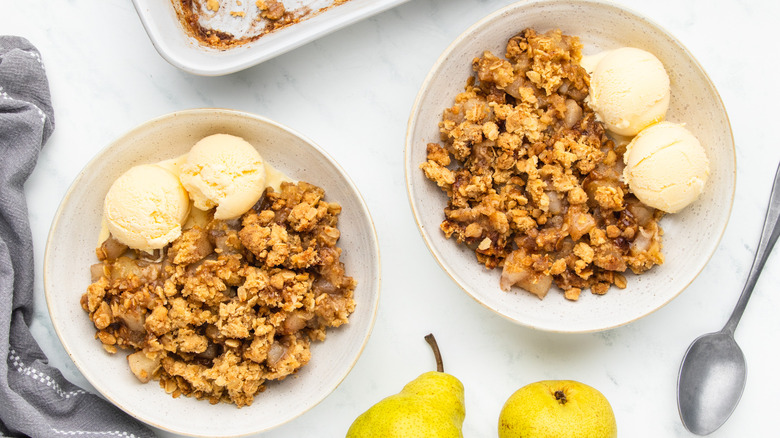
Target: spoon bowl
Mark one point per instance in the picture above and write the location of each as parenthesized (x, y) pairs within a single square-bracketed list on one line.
[(713, 371), (712, 378)]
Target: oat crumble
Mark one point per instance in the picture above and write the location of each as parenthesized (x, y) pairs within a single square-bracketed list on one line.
[(230, 305), (532, 180)]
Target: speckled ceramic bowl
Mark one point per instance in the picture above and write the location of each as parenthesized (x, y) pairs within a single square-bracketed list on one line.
[(70, 252), (691, 236)]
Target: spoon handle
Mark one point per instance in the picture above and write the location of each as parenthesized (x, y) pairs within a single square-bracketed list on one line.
[(769, 235)]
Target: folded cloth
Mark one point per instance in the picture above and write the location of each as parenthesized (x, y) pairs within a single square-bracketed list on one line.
[(35, 400)]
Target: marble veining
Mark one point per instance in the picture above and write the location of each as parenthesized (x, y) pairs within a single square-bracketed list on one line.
[(351, 92)]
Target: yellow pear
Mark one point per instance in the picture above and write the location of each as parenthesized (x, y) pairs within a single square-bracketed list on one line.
[(430, 406), (557, 409)]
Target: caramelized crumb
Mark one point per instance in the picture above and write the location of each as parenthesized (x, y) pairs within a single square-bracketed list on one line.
[(231, 305), (532, 180)]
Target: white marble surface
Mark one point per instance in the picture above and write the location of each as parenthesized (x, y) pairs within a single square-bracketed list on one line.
[(351, 92)]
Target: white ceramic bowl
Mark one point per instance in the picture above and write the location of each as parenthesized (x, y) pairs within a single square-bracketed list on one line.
[(71, 250), (690, 237), (183, 51)]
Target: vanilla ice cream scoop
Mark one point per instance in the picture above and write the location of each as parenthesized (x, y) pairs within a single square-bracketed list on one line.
[(629, 90), (145, 207), (226, 172), (666, 167)]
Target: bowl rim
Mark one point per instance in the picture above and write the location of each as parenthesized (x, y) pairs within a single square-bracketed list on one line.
[(410, 167), (58, 216)]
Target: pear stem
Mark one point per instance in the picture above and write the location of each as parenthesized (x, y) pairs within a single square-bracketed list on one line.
[(435, 347)]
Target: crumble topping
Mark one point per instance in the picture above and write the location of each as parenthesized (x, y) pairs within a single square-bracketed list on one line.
[(532, 180), (229, 305)]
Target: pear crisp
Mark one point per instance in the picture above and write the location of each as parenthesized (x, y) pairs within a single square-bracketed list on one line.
[(533, 182), (230, 304)]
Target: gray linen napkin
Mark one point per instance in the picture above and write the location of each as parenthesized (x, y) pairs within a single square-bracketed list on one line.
[(35, 400)]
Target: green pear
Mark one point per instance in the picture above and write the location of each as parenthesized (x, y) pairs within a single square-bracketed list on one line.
[(430, 406), (557, 409)]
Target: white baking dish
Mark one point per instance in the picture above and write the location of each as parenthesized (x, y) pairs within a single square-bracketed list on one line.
[(185, 52)]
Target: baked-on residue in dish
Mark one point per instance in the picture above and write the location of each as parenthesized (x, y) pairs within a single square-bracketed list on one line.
[(223, 24)]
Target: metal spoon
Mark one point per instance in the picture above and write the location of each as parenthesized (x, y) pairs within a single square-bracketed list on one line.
[(713, 371)]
